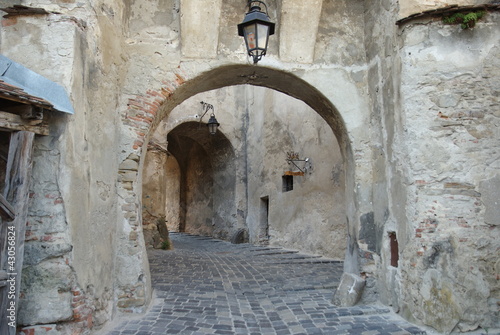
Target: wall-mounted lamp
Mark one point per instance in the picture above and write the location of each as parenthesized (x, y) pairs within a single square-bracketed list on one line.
[(212, 122), (256, 29)]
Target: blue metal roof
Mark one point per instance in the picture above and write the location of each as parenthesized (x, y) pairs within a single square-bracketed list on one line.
[(34, 84)]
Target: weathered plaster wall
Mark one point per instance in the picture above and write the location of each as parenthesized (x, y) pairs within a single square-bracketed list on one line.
[(157, 80), (199, 197), (67, 279), (310, 218), (48, 278), (388, 192), (127, 65), (450, 82), (426, 154), (154, 186), (172, 209)]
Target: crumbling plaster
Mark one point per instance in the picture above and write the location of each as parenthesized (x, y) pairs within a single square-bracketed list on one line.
[(455, 242), (71, 237)]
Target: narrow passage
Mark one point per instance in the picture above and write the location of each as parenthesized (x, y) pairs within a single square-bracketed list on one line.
[(208, 286)]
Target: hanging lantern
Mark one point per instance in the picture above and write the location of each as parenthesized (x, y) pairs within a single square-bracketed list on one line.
[(256, 29), (212, 124)]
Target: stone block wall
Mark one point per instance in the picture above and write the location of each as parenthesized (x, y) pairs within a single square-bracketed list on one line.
[(387, 213), (450, 83), (434, 96), (68, 277)]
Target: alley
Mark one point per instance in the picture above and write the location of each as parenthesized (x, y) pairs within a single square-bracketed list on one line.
[(208, 286)]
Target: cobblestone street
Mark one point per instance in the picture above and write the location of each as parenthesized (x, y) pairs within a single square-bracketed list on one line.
[(208, 286)]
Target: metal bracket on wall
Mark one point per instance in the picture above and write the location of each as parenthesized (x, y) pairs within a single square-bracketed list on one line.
[(292, 158), (205, 107)]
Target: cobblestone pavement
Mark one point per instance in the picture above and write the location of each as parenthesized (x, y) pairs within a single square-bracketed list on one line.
[(208, 286)]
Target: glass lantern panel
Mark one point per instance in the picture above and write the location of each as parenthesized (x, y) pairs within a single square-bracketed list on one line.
[(250, 36), (263, 36), (212, 128)]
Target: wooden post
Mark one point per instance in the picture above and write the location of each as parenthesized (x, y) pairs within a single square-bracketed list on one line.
[(16, 193)]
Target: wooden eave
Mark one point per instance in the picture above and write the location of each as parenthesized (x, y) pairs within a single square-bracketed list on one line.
[(14, 93), (16, 110), (18, 10), (447, 11)]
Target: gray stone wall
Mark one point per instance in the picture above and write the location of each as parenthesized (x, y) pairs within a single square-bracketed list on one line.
[(154, 186), (68, 277), (434, 101), (311, 217), (47, 275), (450, 113), (388, 214), (414, 111)]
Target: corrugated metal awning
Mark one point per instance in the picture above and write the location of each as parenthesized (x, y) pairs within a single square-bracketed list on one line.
[(34, 84)]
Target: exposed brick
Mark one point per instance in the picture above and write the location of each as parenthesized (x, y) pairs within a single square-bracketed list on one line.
[(135, 103), (37, 330), (179, 79), (6, 22), (77, 299), (48, 238), (30, 236)]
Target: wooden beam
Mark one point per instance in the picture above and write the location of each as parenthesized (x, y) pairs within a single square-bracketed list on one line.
[(6, 210), (26, 99), (23, 10), (18, 109), (33, 113), (27, 112), (15, 122), (16, 192), (3, 278)]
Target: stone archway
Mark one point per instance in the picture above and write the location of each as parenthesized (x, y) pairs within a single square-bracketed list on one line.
[(204, 171), (207, 179), (146, 112)]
